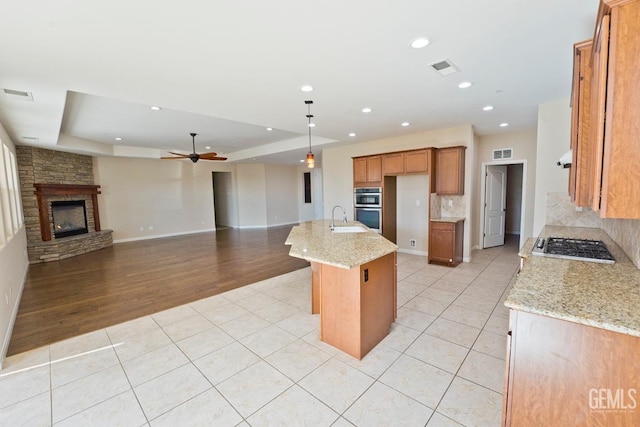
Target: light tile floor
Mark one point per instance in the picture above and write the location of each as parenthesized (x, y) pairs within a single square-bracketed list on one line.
[(252, 357)]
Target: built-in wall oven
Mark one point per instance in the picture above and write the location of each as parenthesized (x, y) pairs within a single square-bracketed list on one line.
[(367, 207)]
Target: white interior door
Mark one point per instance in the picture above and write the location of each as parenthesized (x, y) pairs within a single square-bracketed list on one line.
[(495, 201)]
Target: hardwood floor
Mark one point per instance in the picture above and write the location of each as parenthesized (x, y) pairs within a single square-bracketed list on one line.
[(85, 293)]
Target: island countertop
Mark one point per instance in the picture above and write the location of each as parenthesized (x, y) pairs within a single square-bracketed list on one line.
[(315, 242), (601, 295)]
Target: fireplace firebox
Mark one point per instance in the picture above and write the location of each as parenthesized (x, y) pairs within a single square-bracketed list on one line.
[(69, 218)]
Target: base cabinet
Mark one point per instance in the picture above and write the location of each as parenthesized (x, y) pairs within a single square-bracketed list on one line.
[(561, 373), (356, 306), (445, 242)]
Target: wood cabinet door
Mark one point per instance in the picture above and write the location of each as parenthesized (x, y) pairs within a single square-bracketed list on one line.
[(393, 164), (360, 170), (450, 171), (560, 374), (374, 169), (416, 161), (621, 147), (580, 177), (441, 242)]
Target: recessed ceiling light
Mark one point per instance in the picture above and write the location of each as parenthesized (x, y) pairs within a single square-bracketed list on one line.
[(306, 88), (154, 108), (207, 148), (367, 110), (118, 138), (312, 125), (464, 85), (504, 125), (420, 42), (405, 124), (269, 129), (352, 134), (487, 108), (302, 160)]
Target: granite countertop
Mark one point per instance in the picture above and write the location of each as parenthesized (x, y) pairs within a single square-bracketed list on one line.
[(601, 295), (448, 219), (314, 241)]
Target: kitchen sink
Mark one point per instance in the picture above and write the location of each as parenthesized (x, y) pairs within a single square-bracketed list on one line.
[(348, 229)]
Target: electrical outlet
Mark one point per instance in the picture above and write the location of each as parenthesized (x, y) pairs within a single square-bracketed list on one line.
[(417, 202), (6, 297), (412, 242), (150, 228), (141, 228), (450, 202)]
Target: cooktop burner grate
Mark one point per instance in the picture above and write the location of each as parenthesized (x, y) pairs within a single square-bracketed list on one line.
[(579, 249)]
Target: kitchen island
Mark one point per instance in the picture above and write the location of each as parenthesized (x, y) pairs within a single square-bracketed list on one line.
[(574, 339), (353, 283)]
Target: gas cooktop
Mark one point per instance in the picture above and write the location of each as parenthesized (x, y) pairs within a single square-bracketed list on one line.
[(575, 249)]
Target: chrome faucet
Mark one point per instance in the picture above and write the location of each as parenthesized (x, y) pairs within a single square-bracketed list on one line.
[(333, 212)]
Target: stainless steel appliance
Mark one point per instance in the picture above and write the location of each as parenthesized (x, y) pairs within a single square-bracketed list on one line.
[(367, 197), (574, 249), (371, 217)]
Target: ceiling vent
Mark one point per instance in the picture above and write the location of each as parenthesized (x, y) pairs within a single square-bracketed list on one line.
[(18, 94), (503, 154), (444, 67)]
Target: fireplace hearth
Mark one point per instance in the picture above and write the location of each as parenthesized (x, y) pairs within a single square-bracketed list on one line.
[(69, 218)]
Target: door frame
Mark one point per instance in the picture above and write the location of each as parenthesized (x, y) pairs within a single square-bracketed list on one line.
[(483, 197)]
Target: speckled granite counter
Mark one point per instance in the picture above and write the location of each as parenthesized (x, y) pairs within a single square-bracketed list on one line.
[(453, 219), (314, 241), (601, 295)]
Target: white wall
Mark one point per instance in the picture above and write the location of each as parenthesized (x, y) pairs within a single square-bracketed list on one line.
[(282, 195), (145, 198), (13, 269), (523, 144), (337, 166), (554, 128), (412, 219)]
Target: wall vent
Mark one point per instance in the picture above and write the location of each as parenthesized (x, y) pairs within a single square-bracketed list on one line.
[(18, 94), (444, 67), (503, 153)]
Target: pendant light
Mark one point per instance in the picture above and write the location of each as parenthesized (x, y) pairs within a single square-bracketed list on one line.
[(311, 160)]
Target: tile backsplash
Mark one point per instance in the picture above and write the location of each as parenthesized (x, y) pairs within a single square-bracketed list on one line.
[(440, 206), (625, 232)]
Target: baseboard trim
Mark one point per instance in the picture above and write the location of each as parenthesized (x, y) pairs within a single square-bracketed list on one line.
[(14, 315), (160, 236), (412, 252)]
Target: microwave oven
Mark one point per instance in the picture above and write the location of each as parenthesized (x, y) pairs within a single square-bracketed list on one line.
[(367, 197)]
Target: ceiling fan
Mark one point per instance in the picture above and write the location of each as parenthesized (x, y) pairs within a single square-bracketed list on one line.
[(194, 157)]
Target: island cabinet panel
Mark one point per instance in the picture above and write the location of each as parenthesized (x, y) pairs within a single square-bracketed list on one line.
[(358, 306), (561, 373), (450, 170), (367, 171)]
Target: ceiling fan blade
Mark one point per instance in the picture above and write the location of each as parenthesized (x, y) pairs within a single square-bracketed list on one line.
[(211, 156), (174, 158), (179, 154)]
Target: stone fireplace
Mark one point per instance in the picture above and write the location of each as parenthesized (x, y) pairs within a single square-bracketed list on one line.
[(60, 202)]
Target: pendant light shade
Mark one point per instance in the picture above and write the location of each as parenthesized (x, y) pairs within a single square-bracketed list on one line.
[(311, 160)]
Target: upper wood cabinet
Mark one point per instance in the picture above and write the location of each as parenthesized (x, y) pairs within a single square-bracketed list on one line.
[(393, 164), (407, 162), (581, 172), (367, 171), (615, 107), (450, 170), (417, 161)]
